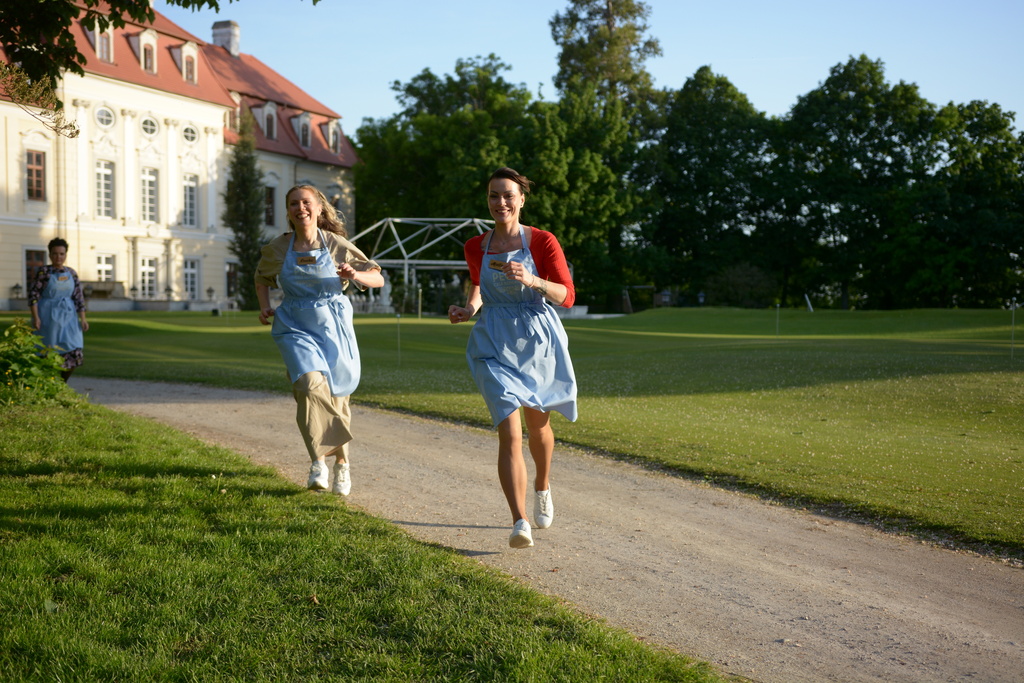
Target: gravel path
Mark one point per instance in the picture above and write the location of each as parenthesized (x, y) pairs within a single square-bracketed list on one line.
[(762, 591)]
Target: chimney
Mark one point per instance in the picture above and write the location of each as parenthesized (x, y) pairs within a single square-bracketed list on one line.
[(227, 35)]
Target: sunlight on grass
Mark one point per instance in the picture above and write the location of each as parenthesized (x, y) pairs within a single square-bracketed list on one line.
[(131, 552), (912, 416)]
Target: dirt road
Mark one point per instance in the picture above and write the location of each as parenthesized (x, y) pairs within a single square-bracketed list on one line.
[(762, 591)]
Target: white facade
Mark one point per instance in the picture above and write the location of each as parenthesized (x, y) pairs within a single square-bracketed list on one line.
[(138, 194), (131, 139)]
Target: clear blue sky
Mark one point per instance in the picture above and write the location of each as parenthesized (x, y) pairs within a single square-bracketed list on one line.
[(346, 53)]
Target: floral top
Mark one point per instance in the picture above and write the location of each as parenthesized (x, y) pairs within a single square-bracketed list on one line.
[(36, 288)]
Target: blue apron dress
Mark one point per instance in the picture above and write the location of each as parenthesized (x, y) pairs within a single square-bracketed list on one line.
[(518, 351), (313, 325), (57, 313)]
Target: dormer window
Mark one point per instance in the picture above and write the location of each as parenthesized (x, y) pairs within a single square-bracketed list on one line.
[(186, 56), (144, 45), (334, 133), (301, 126), (105, 47), (270, 120)]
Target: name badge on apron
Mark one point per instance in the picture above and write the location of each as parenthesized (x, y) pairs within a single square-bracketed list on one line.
[(62, 278), (305, 260), (495, 264)]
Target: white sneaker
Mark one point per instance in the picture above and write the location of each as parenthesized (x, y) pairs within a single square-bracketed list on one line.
[(342, 480), (521, 536), (318, 477), (543, 509)]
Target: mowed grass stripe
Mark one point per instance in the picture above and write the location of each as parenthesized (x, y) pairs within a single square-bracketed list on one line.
[(908, 416)]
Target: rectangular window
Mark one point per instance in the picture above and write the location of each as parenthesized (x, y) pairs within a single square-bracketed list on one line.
[(147, 278), (105, 267), (190, 205), (190, 69), (268, 206), (190, 270), (232, 280), (105, 189), (103, 47), (34, 260), (147, 59), (150, 206), (35, 175)]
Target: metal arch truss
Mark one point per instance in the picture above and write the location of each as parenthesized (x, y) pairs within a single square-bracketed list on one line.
[(410, 251)]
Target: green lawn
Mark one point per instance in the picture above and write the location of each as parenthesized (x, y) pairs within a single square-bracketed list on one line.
[(131, 552), (913, 417)]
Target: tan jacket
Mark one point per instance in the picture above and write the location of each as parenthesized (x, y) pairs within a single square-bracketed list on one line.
[(343, 251)]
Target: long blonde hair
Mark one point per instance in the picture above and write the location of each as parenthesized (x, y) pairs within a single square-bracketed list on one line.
[(328, 220)]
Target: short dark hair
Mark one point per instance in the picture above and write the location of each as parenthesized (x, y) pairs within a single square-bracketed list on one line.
[(57, 242), (506, 173)]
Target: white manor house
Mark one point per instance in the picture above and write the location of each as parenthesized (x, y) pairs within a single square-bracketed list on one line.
[(138, 194)]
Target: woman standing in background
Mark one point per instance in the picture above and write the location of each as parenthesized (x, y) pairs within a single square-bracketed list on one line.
[(57, 306)]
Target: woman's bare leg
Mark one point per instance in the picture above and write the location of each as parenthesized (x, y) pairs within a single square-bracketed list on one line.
[(511, 466), (542, 445)]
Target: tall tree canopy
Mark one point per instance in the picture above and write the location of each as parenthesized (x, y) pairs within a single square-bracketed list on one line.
[(702, 170), (604, 42), (243, 210), (434, 157), (868, 146), (603, 49), (970, 250), (429, 159)]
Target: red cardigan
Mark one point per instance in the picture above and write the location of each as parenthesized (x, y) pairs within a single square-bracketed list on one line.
[(547, 254)]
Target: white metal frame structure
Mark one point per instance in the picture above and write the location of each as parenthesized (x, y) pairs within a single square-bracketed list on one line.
[(410, 251)]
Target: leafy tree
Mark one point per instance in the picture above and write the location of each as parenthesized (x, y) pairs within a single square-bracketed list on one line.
[(865, 147), (702, 170), (432, 160), (967, 250), (36, 98), (784, 242), (604, 42), (243, 210), (603, 48), (591, 206)]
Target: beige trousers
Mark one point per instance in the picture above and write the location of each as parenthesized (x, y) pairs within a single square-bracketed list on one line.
[(323, 419)]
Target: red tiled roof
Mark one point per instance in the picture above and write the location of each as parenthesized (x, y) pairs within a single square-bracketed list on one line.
[(287, 140), (247, 75), (217, 74), (127, 65)]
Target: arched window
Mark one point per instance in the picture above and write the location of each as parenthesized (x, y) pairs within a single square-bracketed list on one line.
[(304, 135), (268, 128)]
